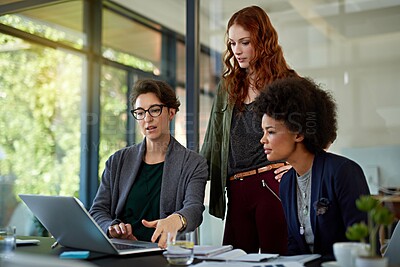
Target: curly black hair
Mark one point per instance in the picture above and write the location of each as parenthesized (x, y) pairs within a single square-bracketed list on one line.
[(303, 107)]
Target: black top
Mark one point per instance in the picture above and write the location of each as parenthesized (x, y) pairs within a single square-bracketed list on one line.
[(143, 201), (245, 150)]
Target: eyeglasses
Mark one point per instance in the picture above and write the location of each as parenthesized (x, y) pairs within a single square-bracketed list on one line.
[(153, 110)]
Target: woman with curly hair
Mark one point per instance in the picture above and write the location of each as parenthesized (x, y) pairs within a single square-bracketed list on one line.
[(253, 59), (319, 192)]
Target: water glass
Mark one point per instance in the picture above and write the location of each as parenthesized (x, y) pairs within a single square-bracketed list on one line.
[(180, 248), (7, 241)]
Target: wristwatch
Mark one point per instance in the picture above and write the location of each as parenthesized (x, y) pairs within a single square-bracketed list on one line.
[(183, 221)]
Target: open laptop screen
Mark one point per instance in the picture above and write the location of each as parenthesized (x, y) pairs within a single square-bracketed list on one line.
[(71, 225), (393, 249)]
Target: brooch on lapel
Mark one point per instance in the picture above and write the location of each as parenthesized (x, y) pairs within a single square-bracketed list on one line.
[(321, 206)]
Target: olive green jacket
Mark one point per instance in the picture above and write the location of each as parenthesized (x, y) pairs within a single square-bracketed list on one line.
[(216, 150)]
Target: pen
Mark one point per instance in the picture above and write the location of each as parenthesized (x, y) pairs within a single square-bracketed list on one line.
[(55, 244)]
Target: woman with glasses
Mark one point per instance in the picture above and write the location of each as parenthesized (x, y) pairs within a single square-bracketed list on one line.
[(156, 186)]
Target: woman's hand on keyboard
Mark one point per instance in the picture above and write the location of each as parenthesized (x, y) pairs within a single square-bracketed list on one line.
[(121, 230)]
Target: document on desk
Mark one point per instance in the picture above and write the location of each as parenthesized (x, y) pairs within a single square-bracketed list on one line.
[(304, 258), (247, 264), (209, 251), (226, 253)]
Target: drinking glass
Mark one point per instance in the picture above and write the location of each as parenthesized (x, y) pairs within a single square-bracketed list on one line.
[(180, 248), (7, 241)]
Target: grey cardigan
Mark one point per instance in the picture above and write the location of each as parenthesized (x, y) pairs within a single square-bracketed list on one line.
[(182, 188)]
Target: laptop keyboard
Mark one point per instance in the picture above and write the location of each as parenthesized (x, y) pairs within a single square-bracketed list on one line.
[(125, 246)]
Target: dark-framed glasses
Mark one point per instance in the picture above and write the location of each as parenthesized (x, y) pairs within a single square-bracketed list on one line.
[(154, 111)]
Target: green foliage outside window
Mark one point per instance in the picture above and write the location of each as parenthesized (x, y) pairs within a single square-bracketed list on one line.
[(40, 110), (113, 120), (40, 100), (44, 30)]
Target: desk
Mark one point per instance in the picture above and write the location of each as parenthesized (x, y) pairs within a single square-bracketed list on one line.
[(148, 260), (44, 248)]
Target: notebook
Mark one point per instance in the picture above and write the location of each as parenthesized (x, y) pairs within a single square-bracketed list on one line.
[(392, 250), (72, 226)]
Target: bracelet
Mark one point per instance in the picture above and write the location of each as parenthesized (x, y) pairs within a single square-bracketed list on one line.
[(183, 221)]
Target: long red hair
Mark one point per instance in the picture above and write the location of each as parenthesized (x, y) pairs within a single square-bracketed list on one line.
[(268, 63)]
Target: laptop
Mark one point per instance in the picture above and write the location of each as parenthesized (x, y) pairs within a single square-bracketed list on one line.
[(72, 226), (392, 250)]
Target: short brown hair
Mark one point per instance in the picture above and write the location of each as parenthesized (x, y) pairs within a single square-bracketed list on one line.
[(161, 89)]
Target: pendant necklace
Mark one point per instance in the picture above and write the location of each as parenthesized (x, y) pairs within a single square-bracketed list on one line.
[(303, 199)]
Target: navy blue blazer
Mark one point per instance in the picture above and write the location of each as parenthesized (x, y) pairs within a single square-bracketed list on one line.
[(336, 184)]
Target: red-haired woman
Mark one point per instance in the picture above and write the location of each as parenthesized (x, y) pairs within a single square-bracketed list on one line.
[(253, 59)]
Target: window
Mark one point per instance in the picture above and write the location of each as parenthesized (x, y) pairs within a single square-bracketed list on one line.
[(61, 22), (131, 43), (113, 119), (40, 99)]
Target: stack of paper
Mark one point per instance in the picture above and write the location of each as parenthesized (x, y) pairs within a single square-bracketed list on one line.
[(208, 251), (221, 256), (226, 253)]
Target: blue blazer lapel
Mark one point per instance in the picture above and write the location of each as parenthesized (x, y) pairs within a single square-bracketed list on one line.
[(293, 221), (316, 176)]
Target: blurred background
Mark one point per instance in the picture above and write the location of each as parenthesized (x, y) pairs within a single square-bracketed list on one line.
[(67, 68)]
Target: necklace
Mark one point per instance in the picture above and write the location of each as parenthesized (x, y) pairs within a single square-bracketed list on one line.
[(303, 198)]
